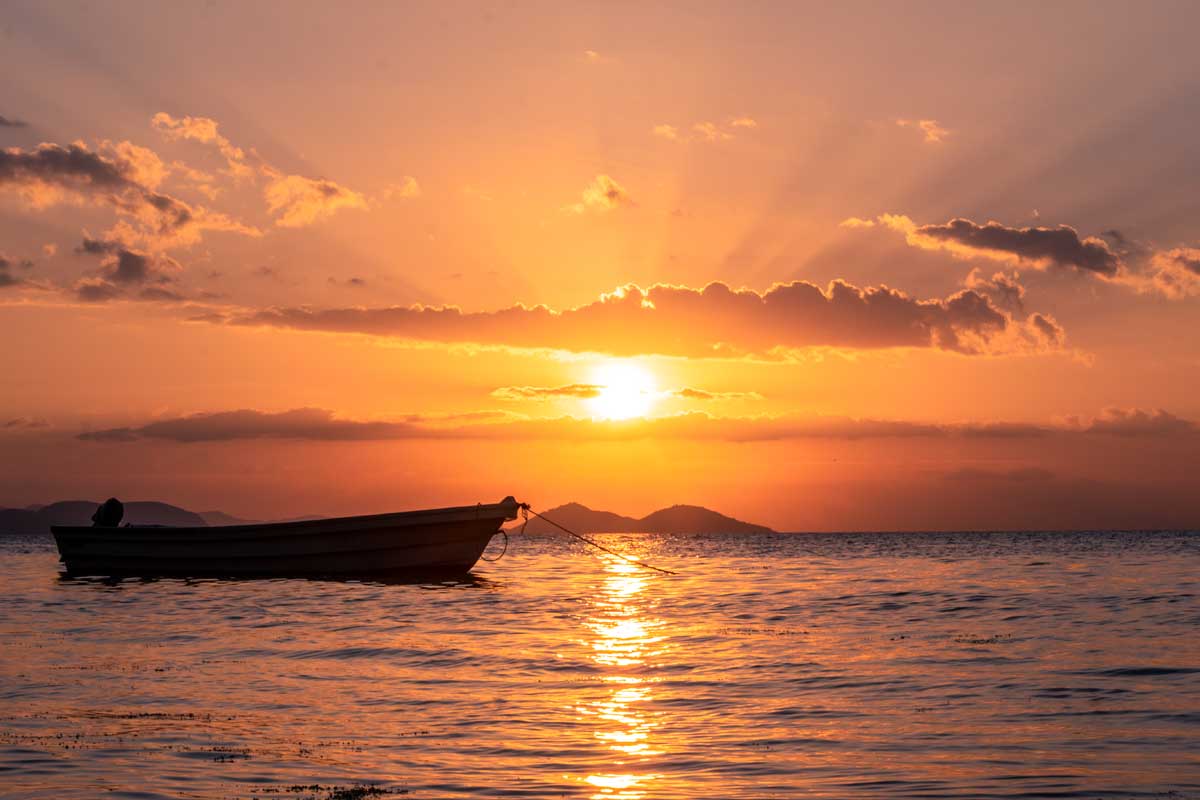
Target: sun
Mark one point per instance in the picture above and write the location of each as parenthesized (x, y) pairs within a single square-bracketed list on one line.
[(625, 391)]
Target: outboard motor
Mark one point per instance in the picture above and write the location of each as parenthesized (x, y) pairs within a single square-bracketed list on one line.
[(109, 514)]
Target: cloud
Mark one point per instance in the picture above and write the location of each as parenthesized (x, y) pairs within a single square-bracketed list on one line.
[(25, 423), (590, 390), (97, 290), (323, 425), (668, 132), (1174, 273), (160, 294), (297, 201), (123, 178), (406, 189), (8, 122), (301, 423), (130, 267), (1137, 422), (7, 279), (579, 390), (1005, 290), (102, 290), (931, 128), (704, 131), (49, 250), (688, 393), (1187, 258), (709, 132), (141, 164), (197, 180), (714, 321), (49, 171), (125, 266), (294, 200), (603, 194), (203, 129), (1047, 331), (124, 271), (1040, 247)]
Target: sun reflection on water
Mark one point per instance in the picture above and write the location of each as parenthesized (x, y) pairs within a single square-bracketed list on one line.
[(625, 640)]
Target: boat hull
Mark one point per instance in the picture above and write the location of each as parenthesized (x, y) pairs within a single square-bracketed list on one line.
[(434, 541)]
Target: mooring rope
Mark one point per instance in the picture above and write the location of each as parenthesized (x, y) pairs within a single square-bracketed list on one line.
[(527, 510)]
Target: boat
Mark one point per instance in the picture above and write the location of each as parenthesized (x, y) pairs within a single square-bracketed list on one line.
[(442, 541)]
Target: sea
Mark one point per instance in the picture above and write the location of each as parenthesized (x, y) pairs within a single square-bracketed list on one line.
[(855, 665)]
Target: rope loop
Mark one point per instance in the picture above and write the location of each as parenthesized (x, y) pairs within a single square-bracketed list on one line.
[(504, 550), (504, 533)]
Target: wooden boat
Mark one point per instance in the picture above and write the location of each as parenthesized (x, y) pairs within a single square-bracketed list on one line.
[(433, 541)]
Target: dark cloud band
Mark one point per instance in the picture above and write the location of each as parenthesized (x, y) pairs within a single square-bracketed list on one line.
[(1061, 246)]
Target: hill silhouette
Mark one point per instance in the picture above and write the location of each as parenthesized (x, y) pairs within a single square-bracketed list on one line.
[(221, 518), (676, 519)]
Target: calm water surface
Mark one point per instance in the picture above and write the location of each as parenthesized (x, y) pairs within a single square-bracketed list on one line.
[(821, 666)]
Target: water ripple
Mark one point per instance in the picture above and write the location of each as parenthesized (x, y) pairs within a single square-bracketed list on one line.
[(1001, 665)]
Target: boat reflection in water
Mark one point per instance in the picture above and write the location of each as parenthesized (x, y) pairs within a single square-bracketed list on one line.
[(627, 643)]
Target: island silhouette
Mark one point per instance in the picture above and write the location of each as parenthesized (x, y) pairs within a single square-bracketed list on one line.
[(675, 519)]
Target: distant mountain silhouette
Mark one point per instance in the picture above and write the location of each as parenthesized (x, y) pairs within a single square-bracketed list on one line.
[(221, 518), (39, 518), (79, 512), (676, 519)]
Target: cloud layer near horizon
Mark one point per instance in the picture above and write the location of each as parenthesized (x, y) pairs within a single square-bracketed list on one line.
[(714, 321), (316, 424)]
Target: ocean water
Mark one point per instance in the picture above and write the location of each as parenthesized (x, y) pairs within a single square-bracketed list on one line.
[(818, 666)]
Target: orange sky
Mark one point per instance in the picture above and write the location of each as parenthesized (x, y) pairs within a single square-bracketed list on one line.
[(828, 268)]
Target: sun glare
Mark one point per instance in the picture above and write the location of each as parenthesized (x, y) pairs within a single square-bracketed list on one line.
[(626, 391)]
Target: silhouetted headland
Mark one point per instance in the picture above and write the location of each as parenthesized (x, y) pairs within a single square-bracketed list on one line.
[(676, 519)]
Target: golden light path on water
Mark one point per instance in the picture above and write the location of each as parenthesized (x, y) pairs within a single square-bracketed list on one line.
[(625, 642)]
